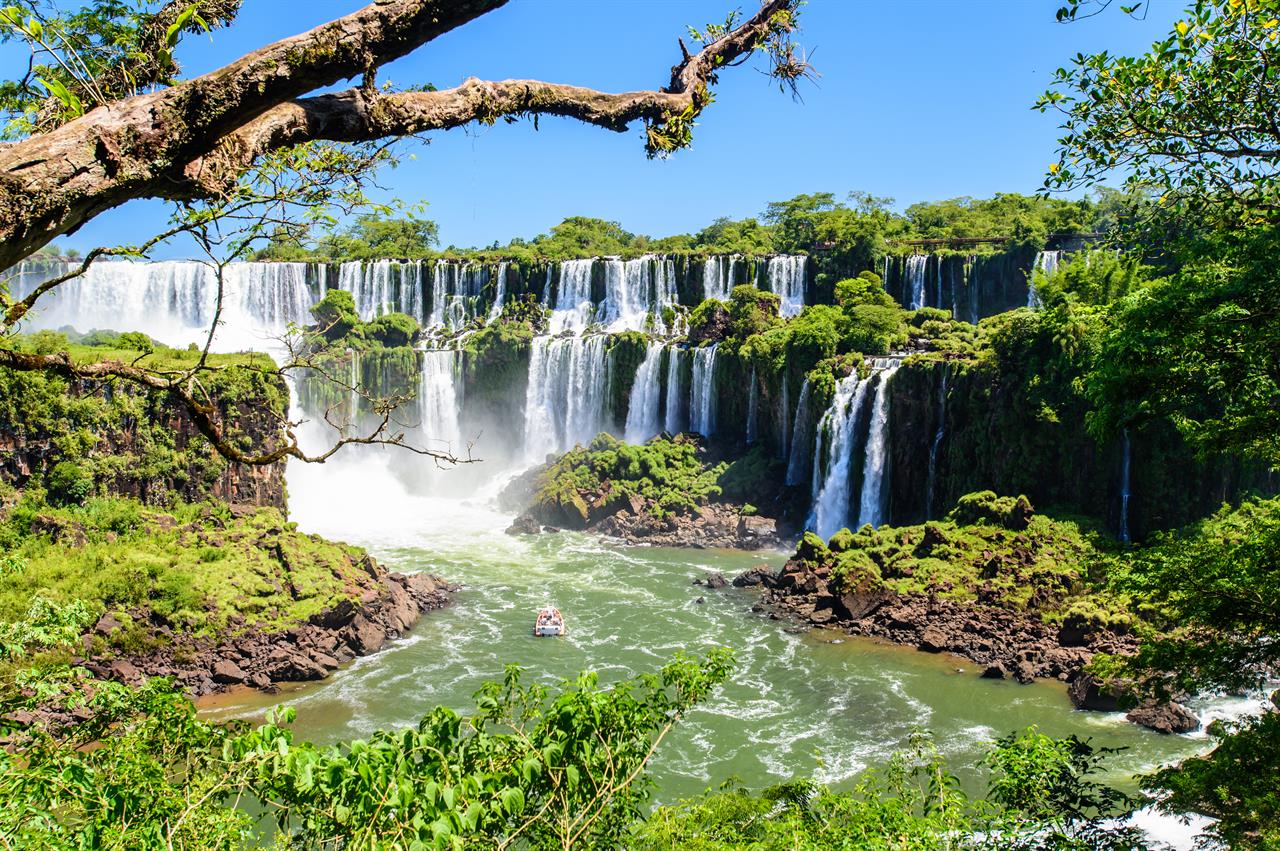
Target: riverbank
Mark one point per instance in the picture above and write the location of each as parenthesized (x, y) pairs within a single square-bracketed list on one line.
[(1014, 592), (210, 595)]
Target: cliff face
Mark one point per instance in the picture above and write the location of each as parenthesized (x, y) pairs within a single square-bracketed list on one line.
[(992, 439), (129, 441)]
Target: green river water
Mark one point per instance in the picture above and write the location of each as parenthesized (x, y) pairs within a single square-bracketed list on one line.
[(809, 704)]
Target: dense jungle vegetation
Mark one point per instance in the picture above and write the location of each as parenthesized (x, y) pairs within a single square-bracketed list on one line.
[(1179, 330)]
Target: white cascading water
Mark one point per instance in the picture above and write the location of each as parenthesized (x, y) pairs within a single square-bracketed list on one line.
[(702, 391), (572, 309), (840, 426), (1046, 264), (454, 287), (564, 402), (438, 402), (174, 301), (718, 275), (916, 266), (844, 425), (370, 286), (642, 409), (871, 507), (938, 435), (635, 291), (799, 459), (499, 291), (753, 407), (786, 277), (674, 421)]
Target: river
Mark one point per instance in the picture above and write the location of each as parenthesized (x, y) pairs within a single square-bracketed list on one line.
[(798, 704)]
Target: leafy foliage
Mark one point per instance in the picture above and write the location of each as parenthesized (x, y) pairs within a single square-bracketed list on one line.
[(1213, 594), (1192, 116), (1043, 794)]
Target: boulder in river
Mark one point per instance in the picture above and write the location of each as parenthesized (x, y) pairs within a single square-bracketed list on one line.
[(1165, 717)]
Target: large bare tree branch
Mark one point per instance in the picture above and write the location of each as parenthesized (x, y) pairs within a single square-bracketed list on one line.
[(194, 139)]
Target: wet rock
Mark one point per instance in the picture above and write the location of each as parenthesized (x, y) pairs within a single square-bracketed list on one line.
[(1165, 717), (227, 672), (933, 640), (1025, 672), (757, 575), (716, 579), (364, 636), (1087, 692), (994, 671), (525, 524)]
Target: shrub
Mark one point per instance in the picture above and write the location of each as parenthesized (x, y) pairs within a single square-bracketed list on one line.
[(69, 483)]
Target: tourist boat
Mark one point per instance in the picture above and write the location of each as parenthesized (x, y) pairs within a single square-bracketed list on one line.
[(549, 622)]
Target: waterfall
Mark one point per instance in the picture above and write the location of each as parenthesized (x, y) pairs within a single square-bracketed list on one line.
[(840, 425), (799, 433), (438, 401), (702, 392), (1046, 264), (1124, 486), (717, 275), (915, 271), (753, 405), (499, 291), (370, 285), (642, 410), (572, 308), (636, 291), (564, 403), (786, 277), (674, 422), (931, 485), (938, 301), (875, 469), (454, 288), (173, 301)]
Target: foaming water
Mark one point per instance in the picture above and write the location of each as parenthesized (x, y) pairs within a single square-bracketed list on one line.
[(799, 704)]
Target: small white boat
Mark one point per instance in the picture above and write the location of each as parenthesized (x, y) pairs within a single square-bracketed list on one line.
[(549, 622)]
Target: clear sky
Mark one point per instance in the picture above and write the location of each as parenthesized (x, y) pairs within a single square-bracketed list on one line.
[(918, 100)]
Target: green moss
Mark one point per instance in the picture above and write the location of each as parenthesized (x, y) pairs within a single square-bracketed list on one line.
[(87, 437), (199, 568), (1052, 567)]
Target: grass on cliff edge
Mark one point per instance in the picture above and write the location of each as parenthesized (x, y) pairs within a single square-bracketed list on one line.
[(989, 549), (197, 566)]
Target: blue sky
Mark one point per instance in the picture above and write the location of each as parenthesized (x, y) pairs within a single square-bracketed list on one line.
[(918, 100)]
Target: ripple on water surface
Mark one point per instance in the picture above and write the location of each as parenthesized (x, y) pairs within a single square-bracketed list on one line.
[(796, 705)]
